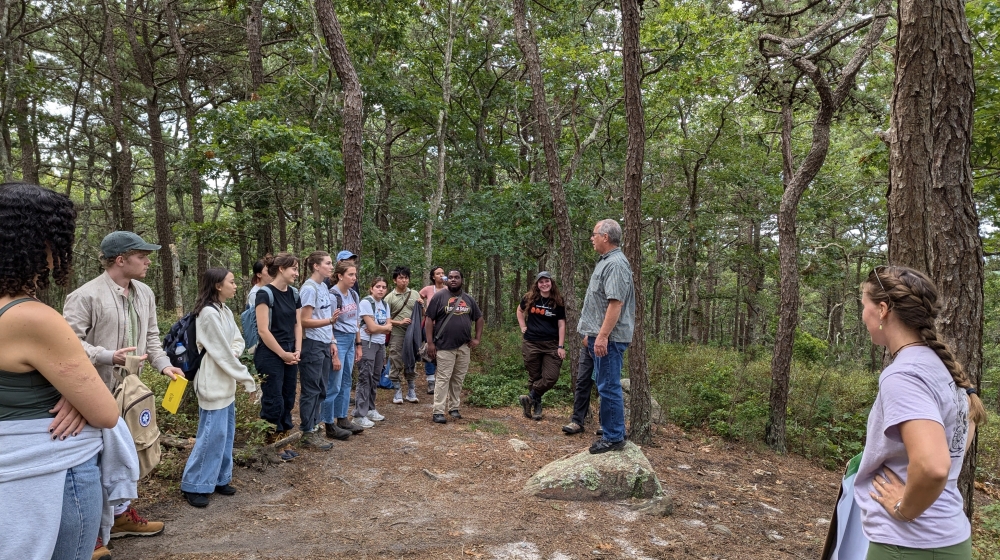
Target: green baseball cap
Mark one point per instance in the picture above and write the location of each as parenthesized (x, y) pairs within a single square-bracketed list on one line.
[(118, 242)]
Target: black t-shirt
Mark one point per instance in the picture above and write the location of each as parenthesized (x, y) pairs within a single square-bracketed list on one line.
[(542, 319), (282, 314), (458, 331)]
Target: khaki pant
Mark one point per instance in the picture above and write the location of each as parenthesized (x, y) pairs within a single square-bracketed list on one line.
[(452, 365), (960, 551), (397, 371)]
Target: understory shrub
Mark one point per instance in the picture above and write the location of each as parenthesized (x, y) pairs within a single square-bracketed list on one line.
[(501, 377)]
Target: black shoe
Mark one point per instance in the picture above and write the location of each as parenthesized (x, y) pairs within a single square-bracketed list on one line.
[(603, 446), (334, 431), (455, 414), (526, 405), (225, 490), (572, 428), (195, 499), (348, 425), (439, 419), (536, 413), (599, 432)]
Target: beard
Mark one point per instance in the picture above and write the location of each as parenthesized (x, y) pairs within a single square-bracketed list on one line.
[(456, 290)]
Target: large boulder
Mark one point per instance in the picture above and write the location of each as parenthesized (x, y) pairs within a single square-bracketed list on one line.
[(655, 412), (615, 475)]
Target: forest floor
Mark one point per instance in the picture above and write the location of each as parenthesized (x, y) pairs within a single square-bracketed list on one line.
[(409, 488)]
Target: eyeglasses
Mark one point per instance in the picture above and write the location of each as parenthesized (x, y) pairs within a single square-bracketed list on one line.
[(875, 272)]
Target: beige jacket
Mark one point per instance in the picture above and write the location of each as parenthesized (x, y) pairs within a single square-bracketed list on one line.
[(97, 312), (221, 369)]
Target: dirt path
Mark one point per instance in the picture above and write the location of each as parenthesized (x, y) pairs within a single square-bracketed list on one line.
[(409, 488)]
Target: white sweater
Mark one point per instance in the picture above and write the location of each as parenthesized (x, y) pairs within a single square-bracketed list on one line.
[(221, 369)]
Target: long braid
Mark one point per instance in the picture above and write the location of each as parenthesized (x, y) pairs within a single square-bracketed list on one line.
[(913, 298)]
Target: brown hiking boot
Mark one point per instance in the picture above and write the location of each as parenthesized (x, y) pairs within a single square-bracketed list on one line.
[(101, 552), (131, 524)]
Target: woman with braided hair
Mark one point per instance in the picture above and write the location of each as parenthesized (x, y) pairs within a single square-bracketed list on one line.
[(924, 414)]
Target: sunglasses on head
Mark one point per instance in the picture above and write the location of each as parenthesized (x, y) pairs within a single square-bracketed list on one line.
[(875, 272)]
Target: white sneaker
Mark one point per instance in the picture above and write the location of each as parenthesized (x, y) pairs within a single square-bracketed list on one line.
[(375, 416), (398, 398), (364, 422)]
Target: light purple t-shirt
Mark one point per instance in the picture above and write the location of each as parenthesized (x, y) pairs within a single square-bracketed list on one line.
[(916, 386)]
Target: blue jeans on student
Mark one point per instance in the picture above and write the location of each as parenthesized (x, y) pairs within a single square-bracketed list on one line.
[(338, 385), (81, 512), (211, 461), (608, 375), (430, 368)]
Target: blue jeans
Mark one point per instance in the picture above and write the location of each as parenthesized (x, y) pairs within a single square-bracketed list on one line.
[(430, 368), (211, 461), (81, 512), (608, 375), (338, 385)]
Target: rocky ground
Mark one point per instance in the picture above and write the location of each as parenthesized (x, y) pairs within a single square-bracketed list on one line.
[(409, 488)]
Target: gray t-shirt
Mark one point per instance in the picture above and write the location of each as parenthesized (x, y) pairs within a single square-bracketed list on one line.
[(318, 297), (916, 386), (379, 312), (348, 320), (612, 279)]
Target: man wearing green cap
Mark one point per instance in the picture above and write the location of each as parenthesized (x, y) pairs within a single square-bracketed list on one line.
[(114, 315)]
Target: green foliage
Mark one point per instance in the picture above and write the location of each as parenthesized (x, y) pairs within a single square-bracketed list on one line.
[(807, 348), (727, 392)]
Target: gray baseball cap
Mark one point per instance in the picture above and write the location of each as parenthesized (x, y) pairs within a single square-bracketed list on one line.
[(118, 242), (543, 274)]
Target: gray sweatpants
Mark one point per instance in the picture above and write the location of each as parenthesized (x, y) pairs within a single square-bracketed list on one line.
[(369, 372)]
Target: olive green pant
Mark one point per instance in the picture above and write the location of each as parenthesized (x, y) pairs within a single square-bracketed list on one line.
[(961, 551)]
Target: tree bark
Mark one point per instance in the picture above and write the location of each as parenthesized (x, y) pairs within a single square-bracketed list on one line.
[(121, 173), (434, 207), (144, 62), (933, 225), (830, 100), (255, 56), (560, 209), (353, 124), (634, 156)]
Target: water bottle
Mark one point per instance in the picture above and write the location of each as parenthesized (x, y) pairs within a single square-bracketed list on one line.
[(181, 352)]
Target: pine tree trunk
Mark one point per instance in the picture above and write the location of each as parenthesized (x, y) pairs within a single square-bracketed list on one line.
[(933, 225), (640, 431), (353, 124), (121, 159)]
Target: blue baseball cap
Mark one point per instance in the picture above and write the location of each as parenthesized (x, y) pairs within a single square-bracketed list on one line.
[(344, 255)]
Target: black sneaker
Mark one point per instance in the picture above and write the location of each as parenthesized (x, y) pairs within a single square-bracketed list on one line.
[(455, 414), (536, 413), (195, 499), (225, 490), (526, 405), (334, 431), (439, 419), (603, 446)]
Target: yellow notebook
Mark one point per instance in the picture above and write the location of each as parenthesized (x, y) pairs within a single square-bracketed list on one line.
[(172, 398)]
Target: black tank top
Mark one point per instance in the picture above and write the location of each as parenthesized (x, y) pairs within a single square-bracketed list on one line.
[(25, 396)]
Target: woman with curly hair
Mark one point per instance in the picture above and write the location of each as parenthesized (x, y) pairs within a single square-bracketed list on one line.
[(50, 497), (925, 413), (543, 326)]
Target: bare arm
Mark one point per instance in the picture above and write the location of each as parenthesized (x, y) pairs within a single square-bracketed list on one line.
[(305, 316), (41, 339), (263, 312), (374, 328), (926, 473), (521, 319)]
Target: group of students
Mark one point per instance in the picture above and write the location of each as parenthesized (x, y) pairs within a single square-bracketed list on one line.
[(68, 466)]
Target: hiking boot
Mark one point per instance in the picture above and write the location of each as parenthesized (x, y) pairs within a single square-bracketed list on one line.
[(439, 419), (455, 414), (131, 524), (334, 431), (536, 413), (374, 416), (526, 405), (398, 397), (411, 395), (195, 499), (572, 428), (603, 446), (101, 552), (430, 384), (225, 490), (364, 422), (315, 441), (348, 425)]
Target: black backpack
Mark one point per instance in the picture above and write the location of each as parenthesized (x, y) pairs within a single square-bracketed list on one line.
[(181, 345)]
